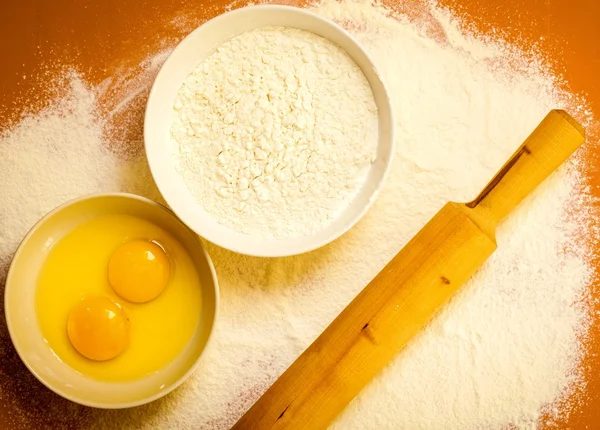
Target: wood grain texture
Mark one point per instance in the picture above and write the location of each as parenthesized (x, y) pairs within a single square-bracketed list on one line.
[(407, 293)]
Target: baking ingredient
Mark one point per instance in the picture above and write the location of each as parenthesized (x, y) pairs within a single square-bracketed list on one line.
[(274, 132), (65, 157), (505, 351), (98, 328), (73, 292), (404, 297), (139, 270)]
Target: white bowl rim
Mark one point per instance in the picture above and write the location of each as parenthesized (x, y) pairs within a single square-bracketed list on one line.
[(153, 157), (100, 405)]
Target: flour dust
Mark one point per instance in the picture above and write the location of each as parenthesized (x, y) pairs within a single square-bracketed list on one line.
[(504, 352)]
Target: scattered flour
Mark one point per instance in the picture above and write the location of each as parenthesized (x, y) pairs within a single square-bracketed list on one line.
[(502, 353), (275, 131), (56, 156), (46, 160)]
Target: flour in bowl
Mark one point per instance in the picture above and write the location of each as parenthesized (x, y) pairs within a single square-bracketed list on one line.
[(274, 132)]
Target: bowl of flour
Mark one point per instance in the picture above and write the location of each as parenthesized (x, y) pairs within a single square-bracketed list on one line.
[(269, 131)]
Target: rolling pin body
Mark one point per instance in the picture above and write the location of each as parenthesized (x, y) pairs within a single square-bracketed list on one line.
[(404, 296)]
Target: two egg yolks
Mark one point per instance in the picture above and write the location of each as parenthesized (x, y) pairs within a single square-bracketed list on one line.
[(98, 328)]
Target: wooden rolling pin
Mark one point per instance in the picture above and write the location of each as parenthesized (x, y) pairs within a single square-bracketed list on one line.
[(406, 294)]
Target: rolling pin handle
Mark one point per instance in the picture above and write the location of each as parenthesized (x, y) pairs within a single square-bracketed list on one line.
[(546, 148)]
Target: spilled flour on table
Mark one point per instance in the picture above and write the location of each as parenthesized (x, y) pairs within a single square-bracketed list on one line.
[(504, 351)]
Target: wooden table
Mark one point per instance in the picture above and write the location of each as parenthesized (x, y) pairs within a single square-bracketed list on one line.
[(39, 37)]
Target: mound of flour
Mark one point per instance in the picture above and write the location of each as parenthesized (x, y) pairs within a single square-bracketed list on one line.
[(275, 131), (504, 352)]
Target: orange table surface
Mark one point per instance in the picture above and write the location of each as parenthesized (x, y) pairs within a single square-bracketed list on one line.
[(97, 36)]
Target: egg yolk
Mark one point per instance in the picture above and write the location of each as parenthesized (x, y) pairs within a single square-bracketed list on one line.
[(98, 328), (139, 271)]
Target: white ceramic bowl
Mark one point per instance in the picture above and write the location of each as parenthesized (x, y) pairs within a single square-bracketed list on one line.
[(19, 302), (159, 115)]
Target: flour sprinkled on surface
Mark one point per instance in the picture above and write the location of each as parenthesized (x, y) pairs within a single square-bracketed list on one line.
[(504, 352)]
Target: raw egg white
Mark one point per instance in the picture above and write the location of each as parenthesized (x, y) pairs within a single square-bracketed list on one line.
[(130, 326)]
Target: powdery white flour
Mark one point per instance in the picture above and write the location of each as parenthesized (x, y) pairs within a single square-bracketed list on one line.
[(275, 131), (507, 346)]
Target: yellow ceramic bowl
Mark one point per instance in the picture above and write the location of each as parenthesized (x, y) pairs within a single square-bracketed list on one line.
[(19, 298)]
